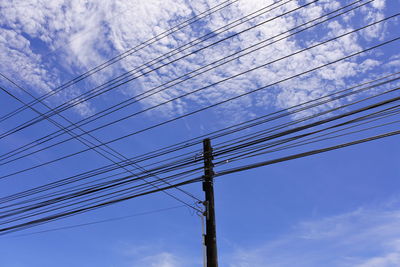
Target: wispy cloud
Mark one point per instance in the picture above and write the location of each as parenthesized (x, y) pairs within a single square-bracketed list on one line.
[(163, 259), (366, 237), (17, 57), (156, 254), (85, 34)]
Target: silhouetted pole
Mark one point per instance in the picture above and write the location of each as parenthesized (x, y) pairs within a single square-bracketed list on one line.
[(208, 188)]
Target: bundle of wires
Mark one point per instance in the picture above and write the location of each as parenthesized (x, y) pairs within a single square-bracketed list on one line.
[(302, 130)]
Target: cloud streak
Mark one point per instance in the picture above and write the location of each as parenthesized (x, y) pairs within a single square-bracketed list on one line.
[(366, 237), (89, 33)]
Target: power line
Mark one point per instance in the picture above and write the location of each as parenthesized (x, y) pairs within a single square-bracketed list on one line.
[(327, 120), (88, 143), (208, 107), (85, 209), (103, 187), (313, 116), (185, 77), (252, 151), (229, 171), (22, 211), (125, 54), (314, 140), (382, 103), (305, 154), (203, 88), (300, 107), (107, 111), (102, 221), (182, 48)]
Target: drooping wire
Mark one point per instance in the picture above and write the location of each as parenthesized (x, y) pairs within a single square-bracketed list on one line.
[(145, 65), (125, 54), (269, 117), (109, 110), (101, 221), (305, 154), (185, 77), (86, 142), (207, 107), (375, 105)]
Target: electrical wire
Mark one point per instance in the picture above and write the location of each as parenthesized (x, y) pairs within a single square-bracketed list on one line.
[(305, 154), (129, 52), (88, 143), (351, 89), (186, 77), (101, 221), (382, 103), (176, 51), (208, 107)]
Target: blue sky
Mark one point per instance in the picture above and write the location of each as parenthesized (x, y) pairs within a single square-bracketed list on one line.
[(336, 209)]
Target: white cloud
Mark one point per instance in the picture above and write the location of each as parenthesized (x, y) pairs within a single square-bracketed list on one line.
[(155, 254), (379, 4), (163, 259), (17, 57), (394, 61), (91, 32), (366, 237), (49, 24)]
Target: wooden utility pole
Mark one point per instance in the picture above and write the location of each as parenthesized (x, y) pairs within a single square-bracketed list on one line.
[(208, 188)]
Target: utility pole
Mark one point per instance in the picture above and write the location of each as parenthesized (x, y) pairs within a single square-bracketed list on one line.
[(208, 188)]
